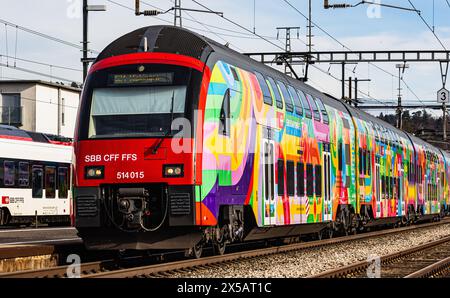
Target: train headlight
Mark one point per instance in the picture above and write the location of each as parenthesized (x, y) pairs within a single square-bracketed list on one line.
[(94, 172), (173, 171)]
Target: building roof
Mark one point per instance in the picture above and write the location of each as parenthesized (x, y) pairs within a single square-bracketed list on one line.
[(40, 82)]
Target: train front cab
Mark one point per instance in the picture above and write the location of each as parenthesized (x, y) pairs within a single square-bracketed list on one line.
[(135, 162)]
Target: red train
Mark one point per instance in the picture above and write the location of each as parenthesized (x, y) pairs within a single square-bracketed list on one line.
[(181, 142)]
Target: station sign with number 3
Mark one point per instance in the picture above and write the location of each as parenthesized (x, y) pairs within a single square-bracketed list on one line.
[(443, 96)]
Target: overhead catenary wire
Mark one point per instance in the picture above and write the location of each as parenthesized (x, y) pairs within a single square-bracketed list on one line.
[(279, 47), (42, 63), (429, 27), (346, 47), (46, 36), (38, 73)]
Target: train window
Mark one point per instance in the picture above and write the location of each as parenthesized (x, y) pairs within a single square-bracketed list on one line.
[(360, 161), (9, 173), (297, 101), (24, 174), (318, 184), (37, 181), (63, 182), (315, 107), (323, 110), (224, 119), (50, 182), (309, 180), (383, 184), (347, 154), (300, 179), (364, 161), (308, 113), (264, 88), (276, 93), (368, 163), (287, 97), (290, 178), (340, 157), (280, 177), (234, 73)]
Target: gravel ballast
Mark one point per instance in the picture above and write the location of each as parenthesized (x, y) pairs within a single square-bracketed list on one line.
[(312, 261)]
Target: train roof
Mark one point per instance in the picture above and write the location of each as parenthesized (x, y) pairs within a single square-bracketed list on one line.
[(11, 132), (170, 39)]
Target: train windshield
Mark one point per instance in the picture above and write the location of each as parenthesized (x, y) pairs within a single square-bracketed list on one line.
[(135, 110), (127, 103)]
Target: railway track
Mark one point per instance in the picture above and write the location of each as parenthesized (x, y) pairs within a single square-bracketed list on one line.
[(114, 269), (428, 260)]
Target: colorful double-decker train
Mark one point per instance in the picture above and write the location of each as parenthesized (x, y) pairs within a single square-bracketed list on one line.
[(182, 141)]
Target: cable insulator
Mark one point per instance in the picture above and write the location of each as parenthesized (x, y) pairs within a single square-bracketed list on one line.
[(151, 12)]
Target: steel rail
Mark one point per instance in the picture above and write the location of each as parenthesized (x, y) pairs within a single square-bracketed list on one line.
[(108, 268), (359, 267), (168, 269)]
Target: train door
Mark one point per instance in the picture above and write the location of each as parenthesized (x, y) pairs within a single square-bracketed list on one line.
[(425, 194), (269, 182), (378, 190), (326, 174), (401, 193), (438, 194)]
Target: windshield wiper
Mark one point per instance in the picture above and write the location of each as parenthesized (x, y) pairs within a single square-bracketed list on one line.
[(166, 133)]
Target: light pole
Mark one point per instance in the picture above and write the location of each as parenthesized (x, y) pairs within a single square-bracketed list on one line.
[(401, 71), (85, 60)]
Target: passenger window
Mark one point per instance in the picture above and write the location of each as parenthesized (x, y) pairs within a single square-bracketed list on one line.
[(323, 110), (276, 93), (280, 177), (315, 108), (340, 151), (37, 181), (297, 101), (290, 178), (50, 182), (287, 97), (300, 179), (9, 173), (264, 88), (305, 103), (24, 174), (318, 176), (309, 180), (63, 182), (235, 75), (224, 124)]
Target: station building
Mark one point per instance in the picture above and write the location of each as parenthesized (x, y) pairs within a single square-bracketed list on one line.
[(39, 106)]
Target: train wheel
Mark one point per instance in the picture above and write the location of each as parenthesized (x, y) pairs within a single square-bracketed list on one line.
[(219, 247), (197, 250)]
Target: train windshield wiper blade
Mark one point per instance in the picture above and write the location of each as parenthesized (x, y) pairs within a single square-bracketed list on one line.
[(169, 130)]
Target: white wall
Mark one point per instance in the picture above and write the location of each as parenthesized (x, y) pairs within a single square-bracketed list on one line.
[(47, 110), (71, 103)]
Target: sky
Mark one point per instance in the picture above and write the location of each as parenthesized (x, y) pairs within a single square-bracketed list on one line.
[(364, 27)]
